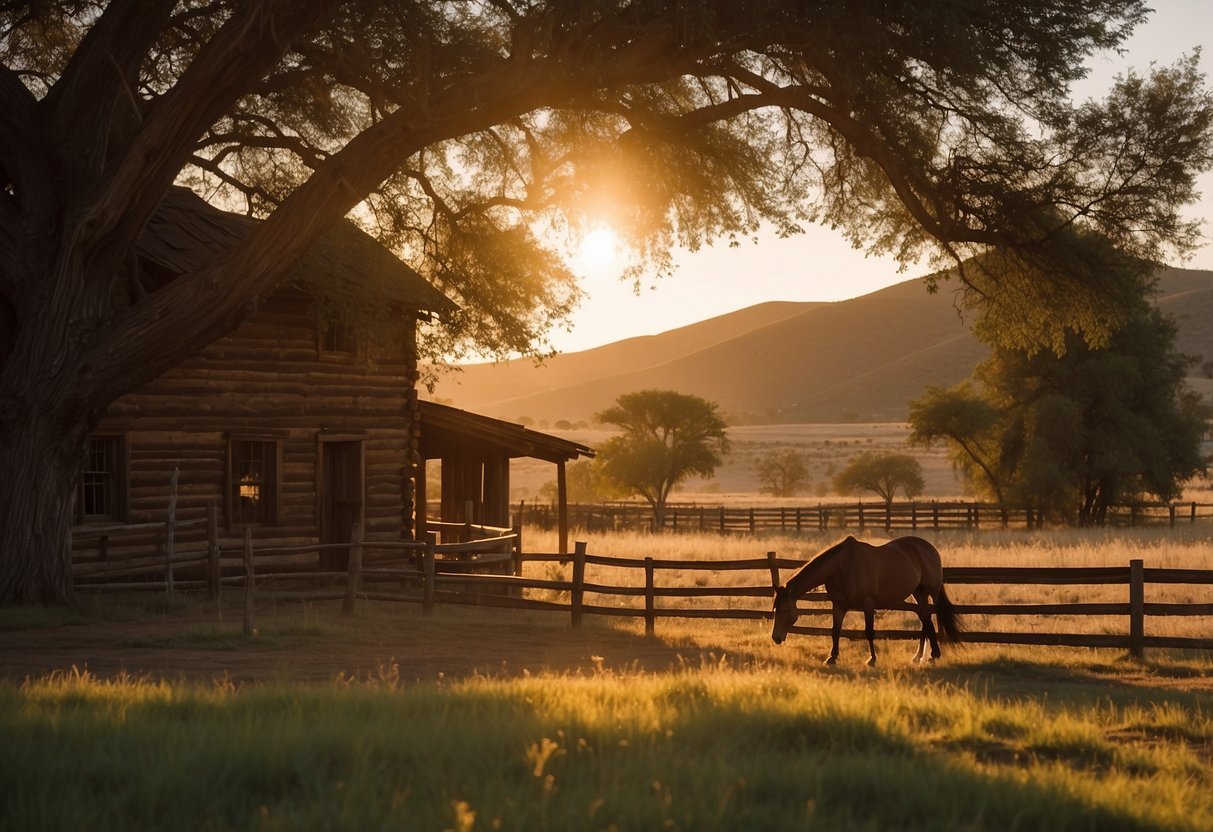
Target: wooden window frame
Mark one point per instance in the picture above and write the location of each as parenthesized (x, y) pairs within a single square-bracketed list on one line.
[(119, 487), (273, 479), (342, 356)]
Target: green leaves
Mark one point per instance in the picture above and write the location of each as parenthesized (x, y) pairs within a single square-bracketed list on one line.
[(667, 437)]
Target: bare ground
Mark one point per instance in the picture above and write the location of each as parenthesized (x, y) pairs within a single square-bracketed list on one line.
[(314, 643)]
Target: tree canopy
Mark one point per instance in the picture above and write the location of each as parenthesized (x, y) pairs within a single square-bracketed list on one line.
[(474, 136), (1071, 435), (782, 473), (667, 437), (884, 473)]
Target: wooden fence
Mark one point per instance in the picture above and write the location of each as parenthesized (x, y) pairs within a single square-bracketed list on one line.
[(429, 572), (902, 516)]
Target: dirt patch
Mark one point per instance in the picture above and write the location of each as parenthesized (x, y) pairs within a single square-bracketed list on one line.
[(452, 643), (314, 643)]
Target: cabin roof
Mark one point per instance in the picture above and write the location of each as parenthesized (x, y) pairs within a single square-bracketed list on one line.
[(443, 424), (186, 230)]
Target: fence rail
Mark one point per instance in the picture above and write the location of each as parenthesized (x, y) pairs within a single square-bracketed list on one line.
[(429, 573), (911, 515)]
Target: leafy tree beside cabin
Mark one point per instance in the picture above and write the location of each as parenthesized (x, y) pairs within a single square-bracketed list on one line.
[(881, 472), (454, 130), (667, 437)]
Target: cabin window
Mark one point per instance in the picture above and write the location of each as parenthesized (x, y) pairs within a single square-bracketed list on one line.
[(253, 482), (337, 340), (101, 494)]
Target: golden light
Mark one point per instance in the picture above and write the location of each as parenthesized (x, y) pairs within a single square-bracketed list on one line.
[(598, 252)]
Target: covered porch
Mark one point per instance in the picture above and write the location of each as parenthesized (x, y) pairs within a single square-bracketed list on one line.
[(475, 452)]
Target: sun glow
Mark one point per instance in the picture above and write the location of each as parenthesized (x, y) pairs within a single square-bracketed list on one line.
[(598, 252)]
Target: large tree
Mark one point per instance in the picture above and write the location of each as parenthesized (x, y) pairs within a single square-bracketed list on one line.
[(666, 437), (1071, 435), (471, 134)]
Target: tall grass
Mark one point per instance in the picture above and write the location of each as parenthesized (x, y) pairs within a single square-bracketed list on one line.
[(706, 747)]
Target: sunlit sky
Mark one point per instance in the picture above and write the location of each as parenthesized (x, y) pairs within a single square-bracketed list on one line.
[(820, 265)]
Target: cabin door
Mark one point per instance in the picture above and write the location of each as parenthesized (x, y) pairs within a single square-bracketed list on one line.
[(341, 500)]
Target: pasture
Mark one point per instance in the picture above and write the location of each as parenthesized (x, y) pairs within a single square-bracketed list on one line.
[(476, 718)]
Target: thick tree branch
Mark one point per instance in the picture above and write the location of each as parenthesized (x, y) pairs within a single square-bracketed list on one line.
[(247, 45)]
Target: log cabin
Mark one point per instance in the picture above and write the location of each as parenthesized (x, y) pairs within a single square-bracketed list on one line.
[(291, 425)]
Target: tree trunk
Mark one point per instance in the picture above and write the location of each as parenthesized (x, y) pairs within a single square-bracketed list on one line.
[(37, 500)]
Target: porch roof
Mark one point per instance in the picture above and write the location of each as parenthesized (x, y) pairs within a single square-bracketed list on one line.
[(446, 429)]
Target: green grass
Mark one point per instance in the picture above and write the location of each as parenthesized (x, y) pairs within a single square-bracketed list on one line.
[(705, 747)]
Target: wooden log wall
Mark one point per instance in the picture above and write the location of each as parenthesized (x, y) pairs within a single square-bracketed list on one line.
[(269, 380)]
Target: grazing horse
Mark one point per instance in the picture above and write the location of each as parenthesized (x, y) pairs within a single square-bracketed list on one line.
[(860, 576)]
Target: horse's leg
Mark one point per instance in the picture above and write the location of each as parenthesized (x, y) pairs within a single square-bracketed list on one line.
[(935, 653), (928, 630), (835, 632), (869, 629)]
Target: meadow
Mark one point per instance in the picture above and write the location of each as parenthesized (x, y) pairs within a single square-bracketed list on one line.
[(477, 718)]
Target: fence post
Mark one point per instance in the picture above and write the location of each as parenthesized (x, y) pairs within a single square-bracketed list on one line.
[(1137, 608), (168, 533), (888, 515), (250, 581), (861, 516), (935, 514), (751, 519), (773, 565), (649, 598), (578, 591), (354, 572), (212, 552), (722, 519), (431, 570), (1171, 512), (517, 553)]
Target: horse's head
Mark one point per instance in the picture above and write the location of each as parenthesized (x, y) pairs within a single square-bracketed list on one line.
[(784, 613)]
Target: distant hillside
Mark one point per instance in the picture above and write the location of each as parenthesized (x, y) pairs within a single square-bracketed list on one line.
[(856, 360)]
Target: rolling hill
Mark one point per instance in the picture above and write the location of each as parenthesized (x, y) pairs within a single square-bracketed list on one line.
[(856, 360)]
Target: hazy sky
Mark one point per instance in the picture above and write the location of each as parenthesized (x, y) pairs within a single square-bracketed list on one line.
[(820, 265)]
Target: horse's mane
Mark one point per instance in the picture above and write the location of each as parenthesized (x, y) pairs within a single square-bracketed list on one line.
[(814, 566)]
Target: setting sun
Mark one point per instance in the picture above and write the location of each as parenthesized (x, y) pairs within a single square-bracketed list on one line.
[(598, 252)]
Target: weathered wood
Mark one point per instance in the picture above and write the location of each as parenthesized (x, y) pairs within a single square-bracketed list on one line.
[(250, 582), (355, 570), (1137, 600), (577, 594), (649, 598), (430, 571), (212, 552), (168, 533)]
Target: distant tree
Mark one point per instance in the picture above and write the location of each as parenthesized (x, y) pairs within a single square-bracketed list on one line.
[(782, 473), (882, 473), (667, 437), (1072, 434)]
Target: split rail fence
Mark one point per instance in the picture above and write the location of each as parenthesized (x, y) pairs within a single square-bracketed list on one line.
[(935, 515), (430, 572)]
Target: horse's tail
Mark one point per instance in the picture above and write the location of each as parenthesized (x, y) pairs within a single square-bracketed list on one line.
[(950, 628)]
